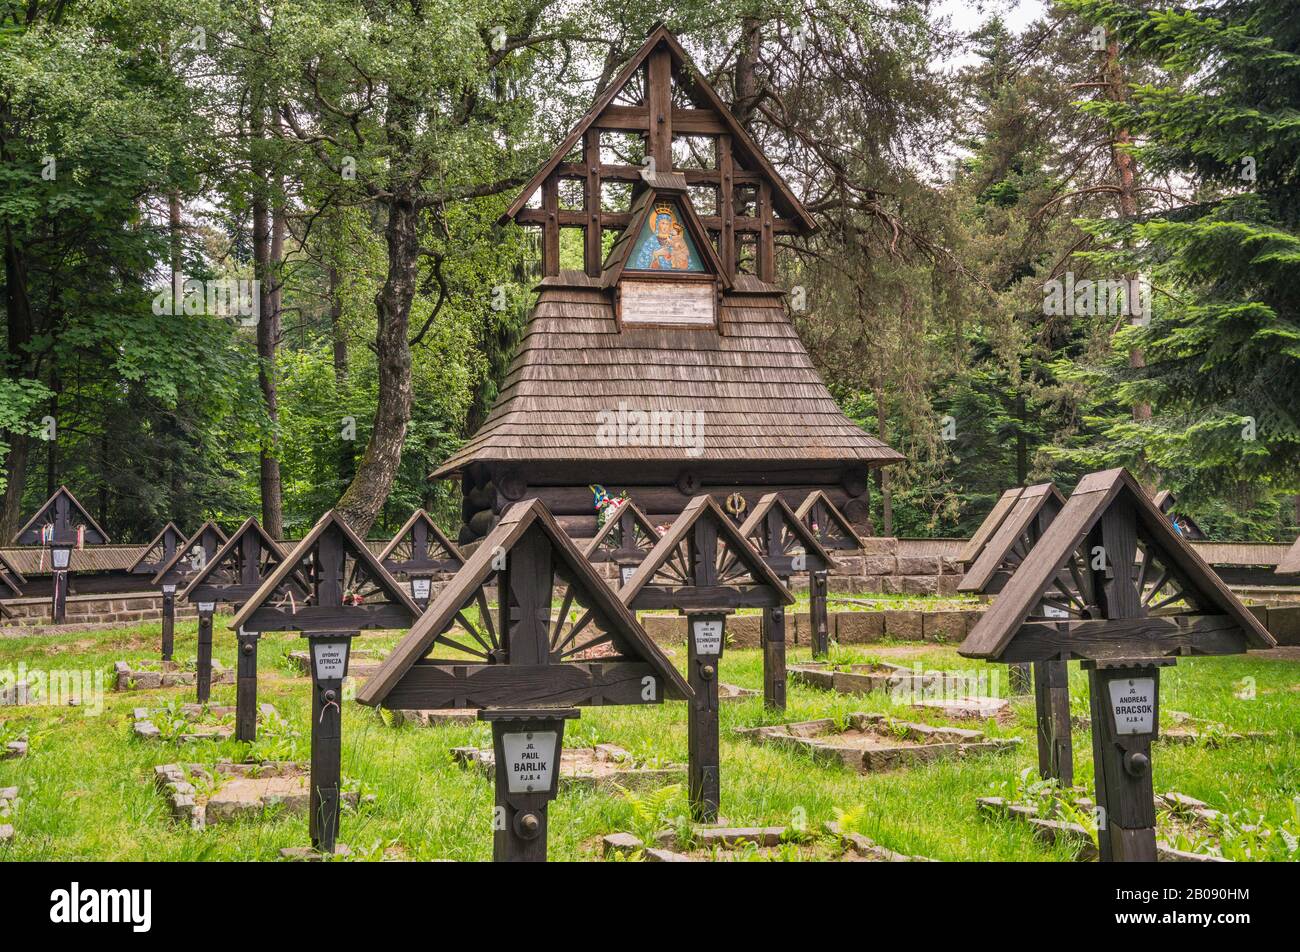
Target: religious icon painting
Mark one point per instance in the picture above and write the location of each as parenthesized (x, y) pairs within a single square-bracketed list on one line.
[(664, 243)]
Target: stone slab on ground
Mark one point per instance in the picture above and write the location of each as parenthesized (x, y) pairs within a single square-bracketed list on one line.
[(203, 795), (14, 749), (151, 675), (207, 725), (968, 708), (715, 843), (428, 718), (600, 767), (875, 742), (734, 692), (310, 854)]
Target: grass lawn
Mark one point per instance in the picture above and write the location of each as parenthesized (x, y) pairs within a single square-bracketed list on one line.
[(87, 791)]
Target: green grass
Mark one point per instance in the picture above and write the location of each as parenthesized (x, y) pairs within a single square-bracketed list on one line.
[(88, 794)]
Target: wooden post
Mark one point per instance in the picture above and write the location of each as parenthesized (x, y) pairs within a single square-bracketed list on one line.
[(59, 610), (526, 744), (1019, 679), (246, 686), (60, 557), (818, 584), (704, 639), (1052, 704), (168, 621), (774, 658), (329, 666), (203, 673), (1125, 717)]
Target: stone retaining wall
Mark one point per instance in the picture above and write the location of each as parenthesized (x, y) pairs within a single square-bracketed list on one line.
[(93, 609), (850, 628), (875, 568)]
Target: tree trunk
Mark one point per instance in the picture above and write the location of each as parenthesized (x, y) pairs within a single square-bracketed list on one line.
[(886, 490), (365, 497), (1128, 205), (746, 76), (18, 316), (347, 457), (268, 246)]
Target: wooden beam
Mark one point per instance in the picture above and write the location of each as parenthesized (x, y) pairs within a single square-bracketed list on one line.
[(659, 100), (1125, 639), (551, 227), (593, 227), (436, 684), (726, 205)]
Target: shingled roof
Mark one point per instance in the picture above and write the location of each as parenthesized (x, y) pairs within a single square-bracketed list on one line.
[(751, 379)]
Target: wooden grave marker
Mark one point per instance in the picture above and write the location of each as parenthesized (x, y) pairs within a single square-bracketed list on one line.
[(788, 546), (187, 560), (419, 551), (1019, 680), (1290, 563), (524, 667), (11, 581), (836, 534), (704, 568), (232, 576), (1021, 527), (343, 579), (625, 539), (1184, 525), (1115, 566), (155, 555), (61, 524)]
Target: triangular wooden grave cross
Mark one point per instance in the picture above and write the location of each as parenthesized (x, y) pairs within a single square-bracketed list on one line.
[(786, 543), (1034, 509), (1290, 564), (703, 563), (625, 539), (1185, 526), (347, 588), (11, 582), (466, 651), (10, 577), (65, 516), (1129, 587), (238, 568), (158, 552), (420, 547), (989, 527), (191, 555), (832, 527)]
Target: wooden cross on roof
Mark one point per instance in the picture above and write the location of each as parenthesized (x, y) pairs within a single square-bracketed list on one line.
[(191, 555), (786, 543), (1184, 525), (236, 571), (733, 196), (1129, 587), (64, 516), (158, 552), (348, 589), (1033, 511), (520, 652), (832, 528), (420, 547), (703, 563), (626, 538), (975, 544)]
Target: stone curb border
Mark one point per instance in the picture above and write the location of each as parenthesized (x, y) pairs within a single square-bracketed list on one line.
[(926, 742), (168, 677), (1051, 831), (143, 727), (668, 850)]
